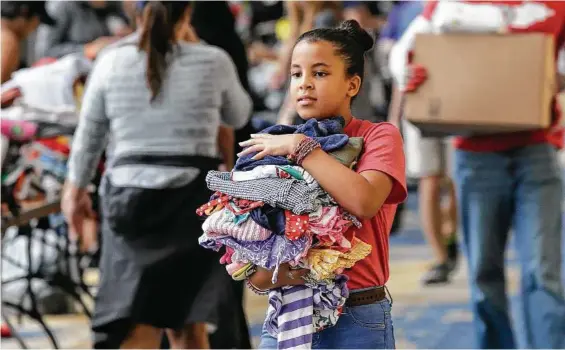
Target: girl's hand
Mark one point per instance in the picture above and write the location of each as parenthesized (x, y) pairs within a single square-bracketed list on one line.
[(286, 277), (270, 145)]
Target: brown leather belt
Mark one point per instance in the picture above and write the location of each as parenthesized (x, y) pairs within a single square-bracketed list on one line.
[(366, 297)]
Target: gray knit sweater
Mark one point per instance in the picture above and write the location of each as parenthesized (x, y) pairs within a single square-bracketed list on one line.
[(201, 90)]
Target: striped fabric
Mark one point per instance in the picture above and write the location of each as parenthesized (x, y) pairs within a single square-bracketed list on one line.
[(295, 320), (222, 223), (296, 312)]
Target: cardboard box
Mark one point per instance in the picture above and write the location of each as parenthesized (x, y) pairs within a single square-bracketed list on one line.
[(483, 83)]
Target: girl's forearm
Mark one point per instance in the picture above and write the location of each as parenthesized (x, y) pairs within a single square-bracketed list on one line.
[(351, 190), (261, 279)]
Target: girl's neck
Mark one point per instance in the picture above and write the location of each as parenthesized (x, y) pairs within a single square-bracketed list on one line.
[(347, 117)]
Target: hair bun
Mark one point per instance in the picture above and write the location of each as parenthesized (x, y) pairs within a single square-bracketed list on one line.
[(358, 34)]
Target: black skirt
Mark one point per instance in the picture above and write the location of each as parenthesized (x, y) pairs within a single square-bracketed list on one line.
[(152, 270)]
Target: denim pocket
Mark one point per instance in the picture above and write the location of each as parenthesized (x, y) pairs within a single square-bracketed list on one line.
[(369, 316)]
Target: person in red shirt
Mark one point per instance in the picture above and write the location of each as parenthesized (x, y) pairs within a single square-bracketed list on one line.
[(504, 181), (326, 74)]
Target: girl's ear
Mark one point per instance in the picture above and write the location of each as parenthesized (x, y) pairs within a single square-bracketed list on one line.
[(354, 86)]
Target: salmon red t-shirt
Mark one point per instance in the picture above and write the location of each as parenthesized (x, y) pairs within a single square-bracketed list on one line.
[(535, 17), (382, 151)]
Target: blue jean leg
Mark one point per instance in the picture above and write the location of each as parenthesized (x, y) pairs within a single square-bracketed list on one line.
[(522, 187), (484, 194), (360, 327), (538, 223)]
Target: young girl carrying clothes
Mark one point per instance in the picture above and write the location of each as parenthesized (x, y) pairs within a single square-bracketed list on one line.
[(326, 74)]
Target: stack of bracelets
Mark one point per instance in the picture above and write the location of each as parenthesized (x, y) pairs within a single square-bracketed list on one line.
[(303, 149)]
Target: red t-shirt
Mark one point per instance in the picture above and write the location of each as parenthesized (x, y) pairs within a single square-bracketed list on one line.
[(549, 18), (382, 151)]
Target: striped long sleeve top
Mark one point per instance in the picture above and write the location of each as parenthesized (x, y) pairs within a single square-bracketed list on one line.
[(200, 90)]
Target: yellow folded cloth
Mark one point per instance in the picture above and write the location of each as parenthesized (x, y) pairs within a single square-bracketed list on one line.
[(323, 263)]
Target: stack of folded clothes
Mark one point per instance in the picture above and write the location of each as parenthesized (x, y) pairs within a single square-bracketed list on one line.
[(268, 212)]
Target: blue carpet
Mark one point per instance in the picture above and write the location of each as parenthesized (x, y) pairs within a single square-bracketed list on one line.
[(428, 331)]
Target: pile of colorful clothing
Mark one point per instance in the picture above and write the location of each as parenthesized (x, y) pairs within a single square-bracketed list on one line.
[(268, 212), (40, 109), (37, 169)]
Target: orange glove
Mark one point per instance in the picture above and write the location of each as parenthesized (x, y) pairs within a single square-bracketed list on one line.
[(417, 76)]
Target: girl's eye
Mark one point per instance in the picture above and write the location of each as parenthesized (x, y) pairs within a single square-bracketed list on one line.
[(295, 74), (320, 74)]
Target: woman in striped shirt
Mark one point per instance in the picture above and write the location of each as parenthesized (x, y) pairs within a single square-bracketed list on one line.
[(160, 104)]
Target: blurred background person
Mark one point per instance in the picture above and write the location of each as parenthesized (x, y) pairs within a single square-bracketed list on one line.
[(81, 26), (149, 100), (231, 330), (369, 14), (370, 102), (401, 14), (214, 24), (262, 40), (427, 159), (399, 18), (263, 26), (507, 180), (19, 20)]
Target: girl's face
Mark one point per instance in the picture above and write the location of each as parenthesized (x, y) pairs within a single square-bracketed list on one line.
[(319, 86)]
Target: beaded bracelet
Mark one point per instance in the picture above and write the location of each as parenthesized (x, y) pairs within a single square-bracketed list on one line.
[(255, 289), (303, 149)]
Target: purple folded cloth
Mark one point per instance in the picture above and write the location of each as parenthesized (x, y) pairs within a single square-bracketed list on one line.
[(268, 254)]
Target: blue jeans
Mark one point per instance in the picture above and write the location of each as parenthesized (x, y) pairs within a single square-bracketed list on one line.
[(520, 189), (359, 327)]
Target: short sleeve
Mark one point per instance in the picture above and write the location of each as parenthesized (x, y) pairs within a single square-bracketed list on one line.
[(429, 9), (384, 152)]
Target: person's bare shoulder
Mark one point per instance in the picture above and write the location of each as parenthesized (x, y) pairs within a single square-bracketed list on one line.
[(10, 54)]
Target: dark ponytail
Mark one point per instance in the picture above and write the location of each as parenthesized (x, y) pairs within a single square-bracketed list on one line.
[(158, 38)]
